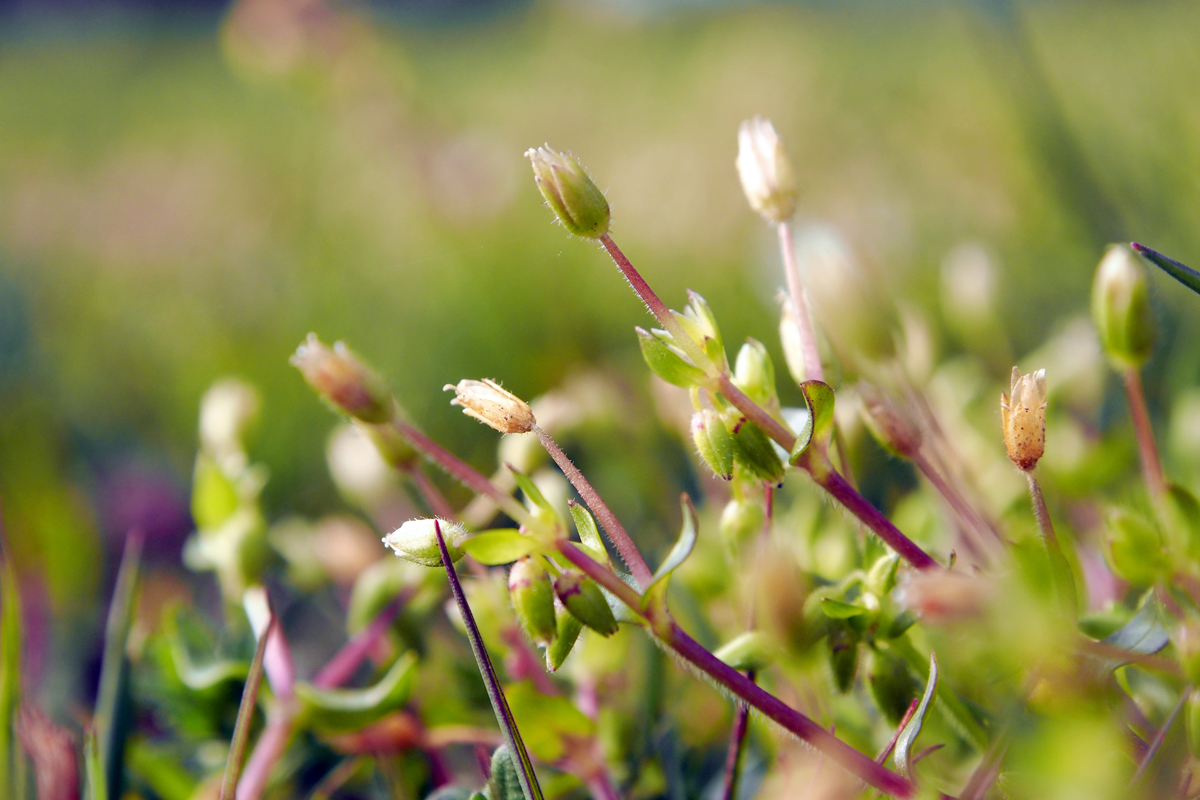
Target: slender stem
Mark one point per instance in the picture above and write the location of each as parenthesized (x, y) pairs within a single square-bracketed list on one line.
[(461, 471), (508, 726), (604, 515), (339, 668), (891, 745), (755, 413), (673, 637), (873, 518), (433, 496), (1058, 562), (1152, 469), (1158, 740), (737, 741), (337, 776), (987, 771), (241, 728), (267, 752), (804, 326)]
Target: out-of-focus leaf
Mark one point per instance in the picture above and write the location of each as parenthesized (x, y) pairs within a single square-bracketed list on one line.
[(10, 673), (1180, 272), (545, 719), (112, 699), (532, 493), (342, 710), (836, 609), (568, 632), (1144, 634), (656, 592), (818, 427), (95, 782), (749, 651), (1136, 547), (159, 771), (589, 534), (904, 741), (199, 677), (214, 497), (666, 362), (500, 546)]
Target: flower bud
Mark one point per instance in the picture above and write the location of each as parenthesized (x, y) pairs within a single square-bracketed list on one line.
[(766, 174), (342, 380), (789, 338), (713, 442), (585, 601), (416, 541), (1023, 417), (741, 519), (226, 411), (893, 430), (843, 656), (489, 403), (533, 599), (573, 196), (754, 451), (754, 374), (567, 633), (1121, 308)]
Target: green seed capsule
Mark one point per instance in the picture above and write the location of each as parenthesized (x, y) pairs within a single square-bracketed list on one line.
[(532, 596), (585, 601), (713, 442), (567, 633), (892, 685)]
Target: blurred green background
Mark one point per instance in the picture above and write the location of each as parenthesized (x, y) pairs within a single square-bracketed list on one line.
[(186, 193)]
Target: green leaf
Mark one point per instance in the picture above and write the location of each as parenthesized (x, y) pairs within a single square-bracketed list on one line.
[(214, 497), (666, 362), (836, 609), (1144, 634), (1136, 547), (342, 710), (500, 546), (589, 534), (656, 592), (198, 677), (1184, 274), (568, 632), (532, 493), (818, 427), (750, 651), (112, 698), (544, 720), (10, 674), (904, 741), (159, 770)]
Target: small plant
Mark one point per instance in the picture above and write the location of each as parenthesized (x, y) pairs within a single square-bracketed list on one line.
[(988, 652)]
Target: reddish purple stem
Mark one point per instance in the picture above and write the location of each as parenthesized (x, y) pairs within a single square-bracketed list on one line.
[(339, 668)]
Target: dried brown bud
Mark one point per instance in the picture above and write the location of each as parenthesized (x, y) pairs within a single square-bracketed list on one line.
[(887, 423), (488, 402), (343, 380), (1023, 416)]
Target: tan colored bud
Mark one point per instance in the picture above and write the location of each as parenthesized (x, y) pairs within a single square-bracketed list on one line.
[(490, 403), (1023, 416), (766, 173), (890, 427), (343, 380)]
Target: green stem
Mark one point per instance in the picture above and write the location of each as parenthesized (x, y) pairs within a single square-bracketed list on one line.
[(241, 728), (508, 726)]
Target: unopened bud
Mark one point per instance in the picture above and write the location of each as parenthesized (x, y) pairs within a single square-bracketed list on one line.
[(567, 633), (892, 429), (754, 374), (573, 196), (585, 601), (701, 324), (226, 411), (532, 596), (765, 171), (754, 451), (741, 519), (789, 338), (1023, 416), (713, 442), (843, 656), (1121, 308), (416, 541), (344, 381), (489, 403)]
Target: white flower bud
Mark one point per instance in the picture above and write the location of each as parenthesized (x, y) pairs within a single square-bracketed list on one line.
[(766, 174)]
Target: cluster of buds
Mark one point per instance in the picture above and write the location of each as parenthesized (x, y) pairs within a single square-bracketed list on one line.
[(728, 440), (1023, 417)]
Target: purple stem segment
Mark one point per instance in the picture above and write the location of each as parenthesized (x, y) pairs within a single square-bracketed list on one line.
[(1152, 469), (737, 741), (339, 668), (874, 519), (607, 519)]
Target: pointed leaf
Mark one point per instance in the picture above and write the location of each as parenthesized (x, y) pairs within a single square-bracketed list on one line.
[(500, 546), (818, 427), (343, 710), (836, 609), (532, 493), (112, 698), (589, 534), (1184, 274), (904, 741), (668, 363)]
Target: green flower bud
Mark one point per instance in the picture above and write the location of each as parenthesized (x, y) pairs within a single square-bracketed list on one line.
[(892, 685), (416, 541), (585, 601), (843, 656), (532, 596), (572, 195), (343, 381), (568, 630), (753, 450), (1121, 308), (701, 324), (503, 783), (713, 442), (754, 374), (741, 519)]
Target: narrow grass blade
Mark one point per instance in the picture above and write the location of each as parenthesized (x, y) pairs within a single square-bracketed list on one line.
[(1184, 274), (241, 728), (10, 669), (529, 781), (112, 706)]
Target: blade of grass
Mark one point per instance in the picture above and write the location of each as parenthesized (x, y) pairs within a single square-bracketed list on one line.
[(1180, 272), (10, 668), (241, 728), (112, 696), (529, 781)]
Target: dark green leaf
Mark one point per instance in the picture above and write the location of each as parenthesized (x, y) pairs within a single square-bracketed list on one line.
[(818, 427), (1144, 634), (1184, 274)]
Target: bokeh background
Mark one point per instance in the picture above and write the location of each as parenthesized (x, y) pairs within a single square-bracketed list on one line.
[(188, 189)]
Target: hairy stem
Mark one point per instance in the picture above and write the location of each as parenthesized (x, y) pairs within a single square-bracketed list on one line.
[(1063, 579), (737, 747), (437, 502), (833, 482), (804, 326), (604, 515), (1152, 469)]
